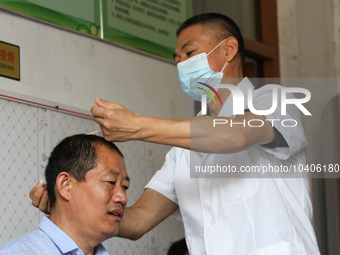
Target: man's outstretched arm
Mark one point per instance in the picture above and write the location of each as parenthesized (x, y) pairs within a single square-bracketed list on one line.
[(150, 209), (120, 124)]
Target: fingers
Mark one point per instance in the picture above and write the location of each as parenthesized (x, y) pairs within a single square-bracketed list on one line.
[(98, 101), (105, 104), (116, 121), (103, 108), (106, 112), (98, 112), (35, 188), (44, 204), (40, 197)]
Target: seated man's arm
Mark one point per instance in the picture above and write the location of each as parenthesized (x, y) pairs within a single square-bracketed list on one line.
[(150, 209)]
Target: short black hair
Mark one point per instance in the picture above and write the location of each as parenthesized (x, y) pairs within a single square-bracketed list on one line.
[(76, 155), (224, 25)]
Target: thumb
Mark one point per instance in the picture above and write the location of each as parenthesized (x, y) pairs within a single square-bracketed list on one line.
[(102, 103)]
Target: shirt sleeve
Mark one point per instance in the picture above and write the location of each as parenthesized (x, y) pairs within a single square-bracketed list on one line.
[(163, 180), (288, 124), (279, 141)]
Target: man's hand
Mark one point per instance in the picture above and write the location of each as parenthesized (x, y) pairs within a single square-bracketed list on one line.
[(118, 123), (40, 198)]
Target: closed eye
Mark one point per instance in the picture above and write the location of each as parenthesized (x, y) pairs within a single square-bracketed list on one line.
[(189, 53), (113, 183)]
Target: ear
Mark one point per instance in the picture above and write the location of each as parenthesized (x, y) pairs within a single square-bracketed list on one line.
[(231, 46), (64, 185)]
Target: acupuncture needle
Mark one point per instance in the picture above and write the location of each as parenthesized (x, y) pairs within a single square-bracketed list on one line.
[(94, 132)]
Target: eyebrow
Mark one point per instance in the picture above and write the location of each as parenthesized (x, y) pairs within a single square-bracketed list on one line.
[(127, 178)]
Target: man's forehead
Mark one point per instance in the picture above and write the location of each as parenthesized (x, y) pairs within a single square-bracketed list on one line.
[(116, 173), (198, 30), (190, 33), (104, 153), (194, 35), (110, 163), (187, 43)]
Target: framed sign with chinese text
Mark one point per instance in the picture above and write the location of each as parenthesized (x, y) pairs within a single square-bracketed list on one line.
[(9, 61), (147, 25)]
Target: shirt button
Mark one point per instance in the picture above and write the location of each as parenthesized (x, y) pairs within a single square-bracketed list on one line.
[(212, 221)]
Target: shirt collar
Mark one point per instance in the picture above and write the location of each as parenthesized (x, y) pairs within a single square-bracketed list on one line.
[(61, 239), (100, 250)]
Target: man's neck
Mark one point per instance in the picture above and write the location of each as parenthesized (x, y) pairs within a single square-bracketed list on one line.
[(87, 245), (214, 109)]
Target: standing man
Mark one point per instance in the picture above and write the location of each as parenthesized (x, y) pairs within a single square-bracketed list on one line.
[(86, 183), (221, 215)]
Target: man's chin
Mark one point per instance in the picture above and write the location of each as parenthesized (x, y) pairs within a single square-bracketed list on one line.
[(112, 233)]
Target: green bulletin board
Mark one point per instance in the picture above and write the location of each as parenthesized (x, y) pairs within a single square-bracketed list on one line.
[(146, 25), (80, 15)]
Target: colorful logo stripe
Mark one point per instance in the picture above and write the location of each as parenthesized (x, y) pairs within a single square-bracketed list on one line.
[(213, 90)]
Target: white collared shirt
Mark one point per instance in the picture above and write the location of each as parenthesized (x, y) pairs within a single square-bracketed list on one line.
[(243, 216)]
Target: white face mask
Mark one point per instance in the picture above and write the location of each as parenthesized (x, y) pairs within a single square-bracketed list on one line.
[(196, 70)]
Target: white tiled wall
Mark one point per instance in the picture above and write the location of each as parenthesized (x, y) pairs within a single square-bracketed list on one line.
[(28, 134)]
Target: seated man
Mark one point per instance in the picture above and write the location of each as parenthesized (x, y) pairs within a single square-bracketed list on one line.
[(87, 183)]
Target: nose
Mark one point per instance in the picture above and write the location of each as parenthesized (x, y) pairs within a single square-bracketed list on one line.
[(181, 58), (119, 195)]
